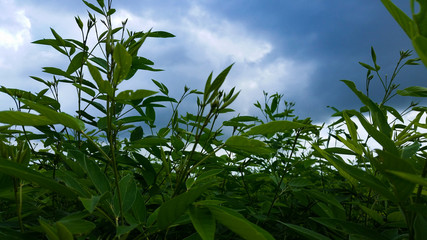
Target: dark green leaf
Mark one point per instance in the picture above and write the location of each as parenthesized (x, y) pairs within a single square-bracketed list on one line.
[(203, 222), (128, 192), (17, 170), (90, 203), (172, 209), (161, 34), (245, 144), (274, 127), (306, 232), (93, 7), (238, 224), (77, 62), (350, 228)]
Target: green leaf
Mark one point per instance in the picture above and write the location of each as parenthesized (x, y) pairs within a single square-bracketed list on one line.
[(274, 127), (219, 80), (87, 90), (157, 99), (350, 228), (90, 203), (123, 63), (411, 150), (379, 136), (124, 230), (373, 214), (160, 34), (17, 170), (70, 180), (23, 118), (128, 191), (245, 144), (76, 224), (96, 105), (238, 224), (77, 62), (56, 117), (129, 95), (378, 116), (203, 222), (103, 86), (367, 66), (57, 37), (100, 61), (98, 178), (245, 119), (306, 232), (401, 18), (138, 208), (420, 46), (172, 209), (63, 232), (148, 172), (402, 188), (56, 71), (420, 227), (51, 232), (352, 174), (326, 198), (150, 141), (414, 91), (93, 7), (409, 177), (136, 134)]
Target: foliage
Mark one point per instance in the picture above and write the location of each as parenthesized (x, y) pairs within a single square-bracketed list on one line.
[(110, 172)]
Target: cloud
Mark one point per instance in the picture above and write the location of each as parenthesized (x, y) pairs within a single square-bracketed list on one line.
[(220, 40), (15, 26), (204, 42)]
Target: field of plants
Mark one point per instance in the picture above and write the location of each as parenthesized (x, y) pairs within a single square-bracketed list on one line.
[(110, 170)]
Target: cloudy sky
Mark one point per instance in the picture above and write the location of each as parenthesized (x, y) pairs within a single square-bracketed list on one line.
[(297, 48)]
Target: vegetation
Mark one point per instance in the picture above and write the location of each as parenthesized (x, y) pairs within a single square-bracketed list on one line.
[(110, 172)]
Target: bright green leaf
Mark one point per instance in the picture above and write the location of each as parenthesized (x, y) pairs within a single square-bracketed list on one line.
[(23, 118)]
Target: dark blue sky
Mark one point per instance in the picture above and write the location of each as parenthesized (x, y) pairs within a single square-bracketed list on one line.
[(298, 48)]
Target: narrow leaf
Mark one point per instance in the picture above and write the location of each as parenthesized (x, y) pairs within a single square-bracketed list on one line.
[(17, 170), (306, 232), (172, 209), (245, 144), (203, 222), (274, 127), (238, 224), (24, 119)]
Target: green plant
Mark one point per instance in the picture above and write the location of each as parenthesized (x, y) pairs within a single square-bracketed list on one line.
[(111, 170)]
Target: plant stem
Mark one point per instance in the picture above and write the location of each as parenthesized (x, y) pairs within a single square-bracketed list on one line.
[(276, 194)]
